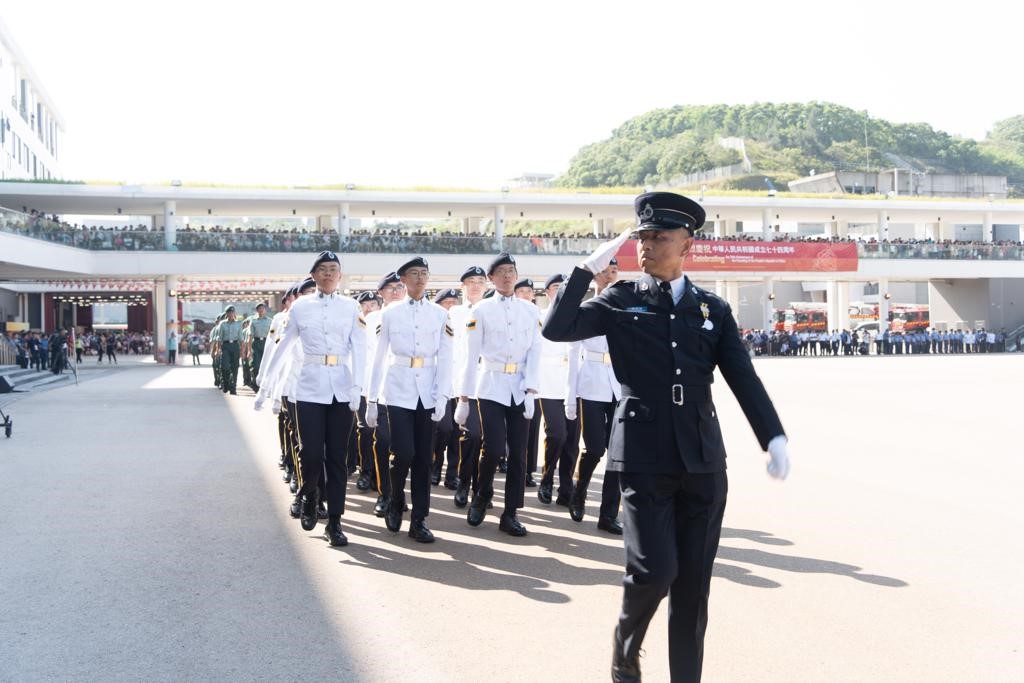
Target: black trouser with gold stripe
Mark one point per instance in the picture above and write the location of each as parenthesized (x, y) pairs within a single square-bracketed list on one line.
[(504, 430), (446, 439), (561, 445), (469, 447), (375, 446), (323, 437), (411, 434), (596, 423), (533, 443)]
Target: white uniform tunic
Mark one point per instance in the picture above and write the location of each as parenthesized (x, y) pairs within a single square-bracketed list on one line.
[(413, 355), (590, 371), (277, 325), (330, 329), (458, 316), (554, 366), (502, 350)]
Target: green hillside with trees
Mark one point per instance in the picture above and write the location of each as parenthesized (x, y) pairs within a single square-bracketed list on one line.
[(786, 141)]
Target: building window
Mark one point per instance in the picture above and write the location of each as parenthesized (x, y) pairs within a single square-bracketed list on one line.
[(23, 108), (39, 119)]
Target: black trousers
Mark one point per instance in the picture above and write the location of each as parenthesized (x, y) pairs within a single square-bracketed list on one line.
[(412, 433), (470, 441), (533, 443), (561, 445), (375, 446), (504, 431), (323, 437), (446, 444), (673, 523), (596, 424)]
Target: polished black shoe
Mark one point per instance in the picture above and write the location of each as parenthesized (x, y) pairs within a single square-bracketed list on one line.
[(381, 507), (503, 466), (577, 508), (287, 476), (510, 525), (363, 482), (461, 496), (451, 484), (530, 481), (233, 392), (544, 493), (477, 511), (563, 500), (293, 485), (308, 516), (335, 535), (393, 518), (624, 669), (435, 478), (609, 524), (321, 510), (419, 532), (295, 509), (280, 463)]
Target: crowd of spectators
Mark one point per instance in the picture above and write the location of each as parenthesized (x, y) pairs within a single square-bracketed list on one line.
[(863, 342)]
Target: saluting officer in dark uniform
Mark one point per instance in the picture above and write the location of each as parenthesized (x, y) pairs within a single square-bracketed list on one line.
[(665, 337)]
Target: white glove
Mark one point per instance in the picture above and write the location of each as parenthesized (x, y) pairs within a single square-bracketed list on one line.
[(275, 407), (461, 413), (778, 466), (528, 407), (570, 410), (258, 405), (602, 256), (439, 409), (371, 414), (353, 399)]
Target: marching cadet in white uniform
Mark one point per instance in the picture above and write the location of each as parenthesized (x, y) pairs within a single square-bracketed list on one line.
[(446, 438), (277, 324), (474, 282), (415, 343), (561, 435), (524, 290), (368, 302), (503, 364), (332, 333), (592, 381)]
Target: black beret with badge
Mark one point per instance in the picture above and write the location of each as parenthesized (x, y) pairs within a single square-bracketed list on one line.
[(306, 285), (525, 282), (555, 279), (503, 259), (325, 257), (389, 279), (363, 297), (446, 294), (472, 271), (667, 211), (418, 262)]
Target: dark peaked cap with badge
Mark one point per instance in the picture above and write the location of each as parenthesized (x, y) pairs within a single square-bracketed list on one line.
[(667, 211), (472, 271), (325, 257), (504, 258), (418, 262)]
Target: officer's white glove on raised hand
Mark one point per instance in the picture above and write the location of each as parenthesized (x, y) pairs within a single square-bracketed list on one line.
[(528, 406), (778, 466), (461, 413), (353, 399), (439, 409), (604, 254), (570, 410), (371, 414), (275, 407)]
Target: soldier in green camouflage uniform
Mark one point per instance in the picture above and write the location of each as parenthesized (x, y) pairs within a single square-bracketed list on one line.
[(259, 325), (229, 341)]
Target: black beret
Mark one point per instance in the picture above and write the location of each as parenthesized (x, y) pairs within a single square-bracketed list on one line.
[(525, 282), (667, 211), (472, 271), (289, 292), (554, 280), (366, 296), (613, 262), (418, 262), (306, 285), (388, 279), (504, 258), (325, 257), (446, 294)]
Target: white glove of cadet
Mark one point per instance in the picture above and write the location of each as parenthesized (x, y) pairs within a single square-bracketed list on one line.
[(528, 406), (778, 466), (461, 412), (371, 414), (275, 407), (439, 409), (260, 398), (603, 255), (570, 410), (353, 399)]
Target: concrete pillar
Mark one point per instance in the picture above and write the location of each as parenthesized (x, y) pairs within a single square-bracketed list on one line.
[(499, 223), (609, 228), (344, 224), (170, 224), (767, 234), (42, 312), (883, 226), (768, 300), (883, 305), (598, 224), (172, 303), (719, 231), (160, 318), (986, 231), (732, 296), (842, 229), (843, 305), (832, 305)]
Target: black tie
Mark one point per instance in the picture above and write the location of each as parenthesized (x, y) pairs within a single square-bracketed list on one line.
[(666, 290)]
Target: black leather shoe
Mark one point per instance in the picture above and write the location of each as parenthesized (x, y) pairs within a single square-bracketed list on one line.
[(419, 532), (461, 496), (563, 500), (393, 518), (530, 482), (321, 510), (381, 507), (308, 516), (293, 485), (544, 494), (363, 482), (624, 670), (503, 466), (335, 535), (435, 478), (296, 508), (233, 392), (451, 484), (477, 511), (510, 525), (609, 524), (280, 463), (287, 476), (577, 508)]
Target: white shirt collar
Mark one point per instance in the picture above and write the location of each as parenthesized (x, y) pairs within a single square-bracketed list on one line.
[(678, 285)]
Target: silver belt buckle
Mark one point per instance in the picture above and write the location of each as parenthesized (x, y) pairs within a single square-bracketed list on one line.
[(677, 394)]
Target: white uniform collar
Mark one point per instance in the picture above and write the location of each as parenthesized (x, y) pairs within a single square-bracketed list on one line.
[(414, 302)]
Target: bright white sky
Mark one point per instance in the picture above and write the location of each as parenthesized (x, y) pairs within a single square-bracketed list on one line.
[(468, 94)]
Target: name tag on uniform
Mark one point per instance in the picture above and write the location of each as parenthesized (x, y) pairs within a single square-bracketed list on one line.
[(636, 309)]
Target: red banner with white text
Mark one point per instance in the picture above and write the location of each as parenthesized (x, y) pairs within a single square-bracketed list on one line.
[(744, 256)]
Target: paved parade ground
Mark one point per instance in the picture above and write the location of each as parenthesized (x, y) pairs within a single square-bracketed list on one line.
[(145, 535)]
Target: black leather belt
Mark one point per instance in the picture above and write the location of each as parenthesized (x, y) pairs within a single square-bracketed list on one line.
[(679, 394), (229, 342)]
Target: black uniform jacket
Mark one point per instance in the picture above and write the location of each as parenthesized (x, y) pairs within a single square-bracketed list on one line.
[(665, 358)]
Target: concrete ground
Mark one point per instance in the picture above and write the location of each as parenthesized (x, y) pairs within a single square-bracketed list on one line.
[(144, 533)]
